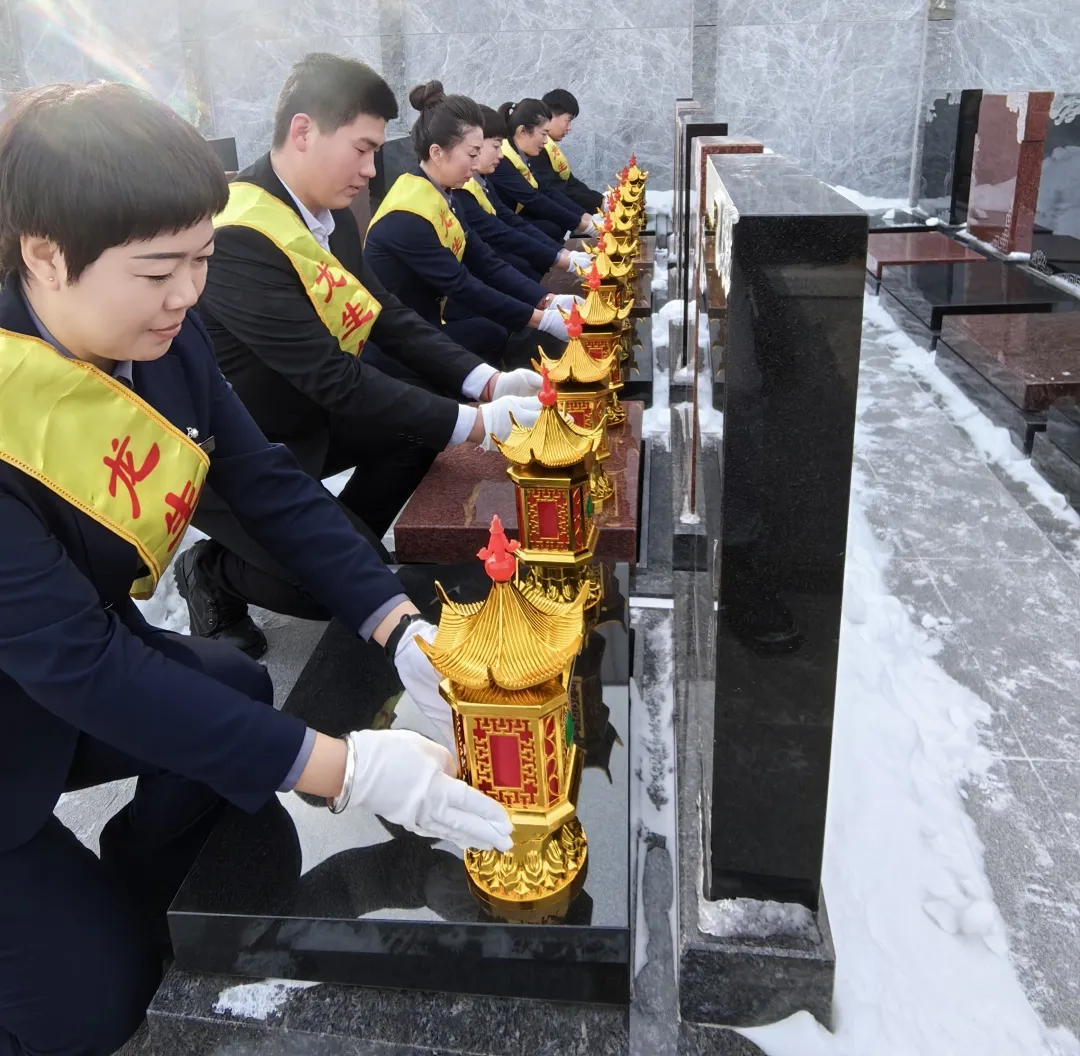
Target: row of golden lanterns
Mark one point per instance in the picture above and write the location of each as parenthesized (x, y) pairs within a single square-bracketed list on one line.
[(508, 662)]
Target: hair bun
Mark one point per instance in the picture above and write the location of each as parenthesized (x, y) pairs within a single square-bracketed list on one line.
[(424, 96)]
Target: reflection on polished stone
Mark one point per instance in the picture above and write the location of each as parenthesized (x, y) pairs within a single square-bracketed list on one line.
[(1032, 358), (448, 516), (932, 291), (921, 248)]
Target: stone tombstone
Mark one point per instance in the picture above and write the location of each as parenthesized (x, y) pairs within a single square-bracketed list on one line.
[(943, 177), (1056, 242), (703, 147), (966, 129), (1006, 169), (683, 110), (791, 254)]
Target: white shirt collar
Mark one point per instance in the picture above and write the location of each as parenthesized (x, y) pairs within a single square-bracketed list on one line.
[(320, 224)]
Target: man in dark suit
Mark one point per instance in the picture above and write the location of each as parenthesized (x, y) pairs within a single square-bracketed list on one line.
[(551, 167), (389, 410)]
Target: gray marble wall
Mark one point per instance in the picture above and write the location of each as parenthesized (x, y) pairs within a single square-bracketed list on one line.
[(222, 62), (837, 85)]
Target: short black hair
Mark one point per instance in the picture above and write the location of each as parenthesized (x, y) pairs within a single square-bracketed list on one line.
[(494, 125), (528, 114), (92, 166), (444, 119), (333, 91), (560, 101)]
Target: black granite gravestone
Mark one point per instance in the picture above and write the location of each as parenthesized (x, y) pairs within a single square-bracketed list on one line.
[(760, 691), (295, 892), (964, 154)]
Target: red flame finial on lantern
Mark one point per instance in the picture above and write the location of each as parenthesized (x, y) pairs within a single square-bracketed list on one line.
[(548, 396), (573, 322), (609, 224), (594, 279), (633, 160), (498, 555), (625, 174)]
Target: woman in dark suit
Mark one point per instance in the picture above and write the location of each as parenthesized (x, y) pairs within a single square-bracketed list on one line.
[(113, 414), (526, 133)]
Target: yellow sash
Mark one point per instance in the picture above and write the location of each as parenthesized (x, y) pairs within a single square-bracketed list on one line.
[(558, 159), (347, 309), (100, 447), (474, 188), (514, 158), (417, 194)]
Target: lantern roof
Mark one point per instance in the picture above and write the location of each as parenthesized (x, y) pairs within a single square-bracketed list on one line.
[(507, 641), (552, 442), (576, 365)]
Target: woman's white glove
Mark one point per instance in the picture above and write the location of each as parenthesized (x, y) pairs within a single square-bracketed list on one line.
[(421, 680), (520, 382), (553, 323), (579, 259), (409, 780), (566, 301), (526, 409)]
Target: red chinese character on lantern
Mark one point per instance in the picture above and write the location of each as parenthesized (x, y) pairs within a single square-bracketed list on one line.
[(123, 469), (325, 274), (352, 320), (182, 506)]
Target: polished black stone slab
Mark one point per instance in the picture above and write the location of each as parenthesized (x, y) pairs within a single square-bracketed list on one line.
[(794, 329), (932, 291), (1055, 254), (1063, 428), (639, 385), (950, 122), (1057, 213), (690, 127), (294, 892)]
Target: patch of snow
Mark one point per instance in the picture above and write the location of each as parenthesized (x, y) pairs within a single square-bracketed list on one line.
[(869, 202), (749, 918), (659, 203), (258, 1000)]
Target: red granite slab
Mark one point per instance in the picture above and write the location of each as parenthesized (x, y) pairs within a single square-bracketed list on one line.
[(449, 516), (1033, 359), (923, 247), (1007, 167)]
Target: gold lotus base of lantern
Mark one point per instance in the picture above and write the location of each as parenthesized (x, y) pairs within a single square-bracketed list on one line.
[(537, 879), (616, 411), (564, 583), (600, 486)]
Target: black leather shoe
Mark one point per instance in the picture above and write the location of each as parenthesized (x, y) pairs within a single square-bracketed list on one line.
[(212, 612)]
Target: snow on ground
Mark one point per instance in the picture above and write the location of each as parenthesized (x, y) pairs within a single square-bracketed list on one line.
[(659, 203), (923, 965)]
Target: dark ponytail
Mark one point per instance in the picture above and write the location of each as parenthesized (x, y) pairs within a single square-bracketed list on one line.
[(529, 114), (494, 123), (444, 119)]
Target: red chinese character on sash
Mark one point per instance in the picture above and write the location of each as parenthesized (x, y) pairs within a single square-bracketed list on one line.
[(457, 245), (123, 469), (183, 506), (352, 320), (324, 273), (447, 222)]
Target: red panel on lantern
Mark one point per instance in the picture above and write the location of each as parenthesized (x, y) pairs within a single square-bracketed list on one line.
[(547, 516), (505, 761)]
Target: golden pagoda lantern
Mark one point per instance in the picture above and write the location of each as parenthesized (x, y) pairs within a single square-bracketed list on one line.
[(506, 665), (635, 175), (584, 393), (551, 465)]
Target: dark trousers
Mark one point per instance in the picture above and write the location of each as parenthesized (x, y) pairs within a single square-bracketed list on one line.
[(483, 337), (81, 938), (381, 485), (549, 227)]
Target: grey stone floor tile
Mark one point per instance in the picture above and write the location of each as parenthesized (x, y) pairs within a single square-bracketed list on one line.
[(1034, 869), (1062, 784), (1019, 622)]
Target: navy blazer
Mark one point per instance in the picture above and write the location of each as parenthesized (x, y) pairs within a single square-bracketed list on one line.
[(72, 651), (515, 190), (508, 241), (405, 253), (573, 189)]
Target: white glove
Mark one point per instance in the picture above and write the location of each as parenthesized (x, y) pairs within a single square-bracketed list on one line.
[(526, 410), (521, 382), (421, 680), (409, 780), (552, 323), (566, 301), (579, 259), (598, 221)]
